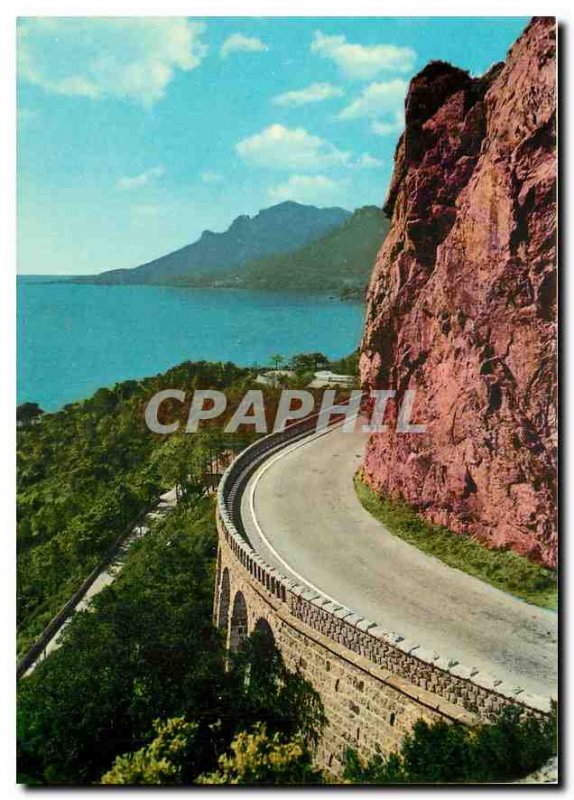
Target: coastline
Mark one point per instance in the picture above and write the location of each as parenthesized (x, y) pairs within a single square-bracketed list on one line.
[(74, 339)]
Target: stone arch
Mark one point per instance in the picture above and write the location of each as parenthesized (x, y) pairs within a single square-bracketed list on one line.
[(224, 598), (264, 639), (263, 627), (238, 629)]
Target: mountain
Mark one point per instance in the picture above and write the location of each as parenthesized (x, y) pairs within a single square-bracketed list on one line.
[(462, 302), (278, 229), (340, 261)]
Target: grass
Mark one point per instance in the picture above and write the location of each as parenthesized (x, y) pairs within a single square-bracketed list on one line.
[(502, 568)]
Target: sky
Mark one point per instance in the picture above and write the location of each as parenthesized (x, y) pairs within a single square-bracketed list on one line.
[(136, 134)]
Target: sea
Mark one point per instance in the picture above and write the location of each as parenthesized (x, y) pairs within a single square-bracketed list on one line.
[(75, 338)]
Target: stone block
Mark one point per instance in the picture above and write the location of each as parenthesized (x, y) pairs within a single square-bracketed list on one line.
[(445, 663), (366, 624), (428, 656), (486, 681), (392, 638), (460, 671), (342, 613), (406, 646)]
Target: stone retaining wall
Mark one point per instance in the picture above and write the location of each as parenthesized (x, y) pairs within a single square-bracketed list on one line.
[(373, 682)]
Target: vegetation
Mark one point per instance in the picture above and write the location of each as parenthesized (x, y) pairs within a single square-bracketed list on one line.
[(511, 747), (502, 568), (149, 652), (348, 365), (309, 362), (27, 413), (305, 365), (142, 690), (141, 693), (258, 758), (163, 761), (340, 261), (86, 472)]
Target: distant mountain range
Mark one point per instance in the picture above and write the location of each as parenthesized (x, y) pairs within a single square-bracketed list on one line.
[(279, 229), (339, 261)]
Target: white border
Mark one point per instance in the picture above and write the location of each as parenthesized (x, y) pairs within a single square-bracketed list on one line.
[(8, 13)]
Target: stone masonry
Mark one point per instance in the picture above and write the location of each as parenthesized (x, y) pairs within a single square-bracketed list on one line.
[(374, 684)]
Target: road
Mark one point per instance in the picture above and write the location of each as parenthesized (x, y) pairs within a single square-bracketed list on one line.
[(110, 572), (302, 515)]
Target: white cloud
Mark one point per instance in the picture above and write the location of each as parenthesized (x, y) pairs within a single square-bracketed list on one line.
[(366, 161), (389, 126), (278, 147), (377, 100), (237, 43), (126, 58), (129, 182), (314, 93), (211, 177), (307, 189), (362, 61)]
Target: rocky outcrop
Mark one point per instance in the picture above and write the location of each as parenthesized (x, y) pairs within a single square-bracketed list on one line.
[(462, 301)]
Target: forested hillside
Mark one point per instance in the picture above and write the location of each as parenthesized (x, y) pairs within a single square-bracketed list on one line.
[(340, 261), (85, 472), (277, 229), (150, 652)]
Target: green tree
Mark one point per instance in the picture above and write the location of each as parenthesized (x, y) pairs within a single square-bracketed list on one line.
[(183, 461), (276, 360), (160, 762), (148, 651), (262, 758), (513, 745), (349, 365), (26, 412)]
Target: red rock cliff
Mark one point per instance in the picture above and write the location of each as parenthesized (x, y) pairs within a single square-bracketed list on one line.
[(462, 302)]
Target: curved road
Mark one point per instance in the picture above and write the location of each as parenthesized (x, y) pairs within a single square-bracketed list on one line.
[(301, 513)]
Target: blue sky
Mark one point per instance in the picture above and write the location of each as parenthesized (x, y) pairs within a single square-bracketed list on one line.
[(135, 134)]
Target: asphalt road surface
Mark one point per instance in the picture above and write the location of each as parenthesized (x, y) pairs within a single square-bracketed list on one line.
[(302, 515)]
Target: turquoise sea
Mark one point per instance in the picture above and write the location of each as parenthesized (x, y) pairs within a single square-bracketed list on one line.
[(72, 339)]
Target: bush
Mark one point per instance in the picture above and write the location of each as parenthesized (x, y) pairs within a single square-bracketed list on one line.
[(160, 762), (260, 758), (512, 746)]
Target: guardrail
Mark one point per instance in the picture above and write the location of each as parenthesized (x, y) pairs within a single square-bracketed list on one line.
[(432, 673)]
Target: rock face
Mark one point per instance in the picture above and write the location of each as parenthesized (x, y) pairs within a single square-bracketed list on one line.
[(462, 301)]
